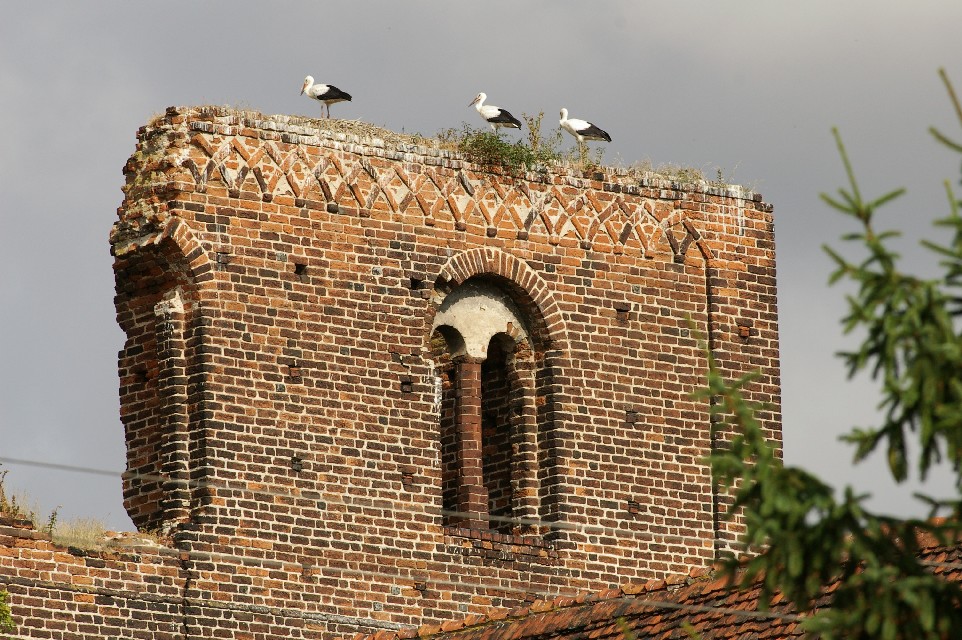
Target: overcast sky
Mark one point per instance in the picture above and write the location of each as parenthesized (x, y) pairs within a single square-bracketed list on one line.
[(748, 88)]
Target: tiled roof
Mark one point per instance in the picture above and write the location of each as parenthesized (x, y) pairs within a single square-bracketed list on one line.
[(694, 606)]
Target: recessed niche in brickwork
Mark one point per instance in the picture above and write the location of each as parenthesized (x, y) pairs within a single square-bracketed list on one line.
[(292, 372), (490, 411), (300, 270), (622, 311), (445, 396)]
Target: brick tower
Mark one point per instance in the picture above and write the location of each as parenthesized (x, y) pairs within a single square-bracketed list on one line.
[(367, 383)]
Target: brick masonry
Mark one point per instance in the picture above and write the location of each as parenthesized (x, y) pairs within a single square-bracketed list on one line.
[(326, 458)]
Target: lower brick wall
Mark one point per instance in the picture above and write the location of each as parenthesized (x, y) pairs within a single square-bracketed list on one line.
[(144, 590), (59, 592), (139, 588)]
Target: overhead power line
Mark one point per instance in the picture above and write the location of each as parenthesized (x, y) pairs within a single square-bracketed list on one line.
[(347, 573)]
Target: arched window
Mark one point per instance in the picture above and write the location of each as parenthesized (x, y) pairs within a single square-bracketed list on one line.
[(500, 431), (491, 425)]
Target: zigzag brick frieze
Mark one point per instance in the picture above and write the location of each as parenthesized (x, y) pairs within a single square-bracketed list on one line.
[(358, 175)]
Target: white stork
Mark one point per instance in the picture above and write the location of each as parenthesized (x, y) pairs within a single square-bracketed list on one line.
[(325, 93), (581, 129), (495, 116)]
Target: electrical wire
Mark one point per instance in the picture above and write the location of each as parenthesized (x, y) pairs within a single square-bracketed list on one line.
[(330, 571), (329, 497)]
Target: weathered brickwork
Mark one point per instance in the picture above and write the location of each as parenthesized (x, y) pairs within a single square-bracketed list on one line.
[(70, 593), (368, 384)]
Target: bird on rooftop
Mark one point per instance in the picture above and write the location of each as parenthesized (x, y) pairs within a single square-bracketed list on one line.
[(581, 129), (325, 93), (495, 116)]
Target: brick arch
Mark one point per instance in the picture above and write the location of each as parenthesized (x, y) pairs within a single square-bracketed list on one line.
[(528, 289), (177, 232), (538, 468), (166, 278), (194, 255)]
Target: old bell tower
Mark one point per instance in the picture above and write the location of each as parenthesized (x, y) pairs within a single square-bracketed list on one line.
[(367, 383)]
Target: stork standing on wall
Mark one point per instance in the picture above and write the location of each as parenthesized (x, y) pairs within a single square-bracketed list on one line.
[(326, 93), (581, 129), (495, 116)]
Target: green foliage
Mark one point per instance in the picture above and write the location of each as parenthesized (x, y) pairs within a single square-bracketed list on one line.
[(51, 522), (857, 573), (6, 615), (486, 147), (546, 149)]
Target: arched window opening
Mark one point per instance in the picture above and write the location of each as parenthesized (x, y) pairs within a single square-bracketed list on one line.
[(487, 389), (445, 397), (500, 426)]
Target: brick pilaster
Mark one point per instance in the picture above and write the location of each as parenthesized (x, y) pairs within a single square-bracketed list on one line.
[(472, 495)]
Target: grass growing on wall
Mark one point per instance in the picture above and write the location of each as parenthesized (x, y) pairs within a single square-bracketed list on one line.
[(83, 533), (17, 505)]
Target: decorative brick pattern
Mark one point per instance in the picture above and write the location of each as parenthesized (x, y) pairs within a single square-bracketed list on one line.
[(293, 417)]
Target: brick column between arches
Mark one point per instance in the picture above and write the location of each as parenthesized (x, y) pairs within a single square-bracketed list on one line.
[(472, 495)]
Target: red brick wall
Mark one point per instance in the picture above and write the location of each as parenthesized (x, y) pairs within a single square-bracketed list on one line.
[(278, 286), (59, 593)]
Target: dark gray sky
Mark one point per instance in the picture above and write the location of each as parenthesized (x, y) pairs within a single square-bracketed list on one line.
[(751, 88)]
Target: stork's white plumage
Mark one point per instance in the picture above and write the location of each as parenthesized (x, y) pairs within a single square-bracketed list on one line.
[(325, 93), (581, 129), (495, 116)]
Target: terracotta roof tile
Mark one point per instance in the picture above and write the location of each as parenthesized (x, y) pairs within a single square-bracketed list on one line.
[(564, 601), (519, 612), (607, 594), (655, 585), (699, 572), (539, 606), (449, 625), (716, 585), (426, 630), (651, 611)]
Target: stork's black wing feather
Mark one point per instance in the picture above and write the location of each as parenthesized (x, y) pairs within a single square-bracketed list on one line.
[(595, 133), (505, 119)]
